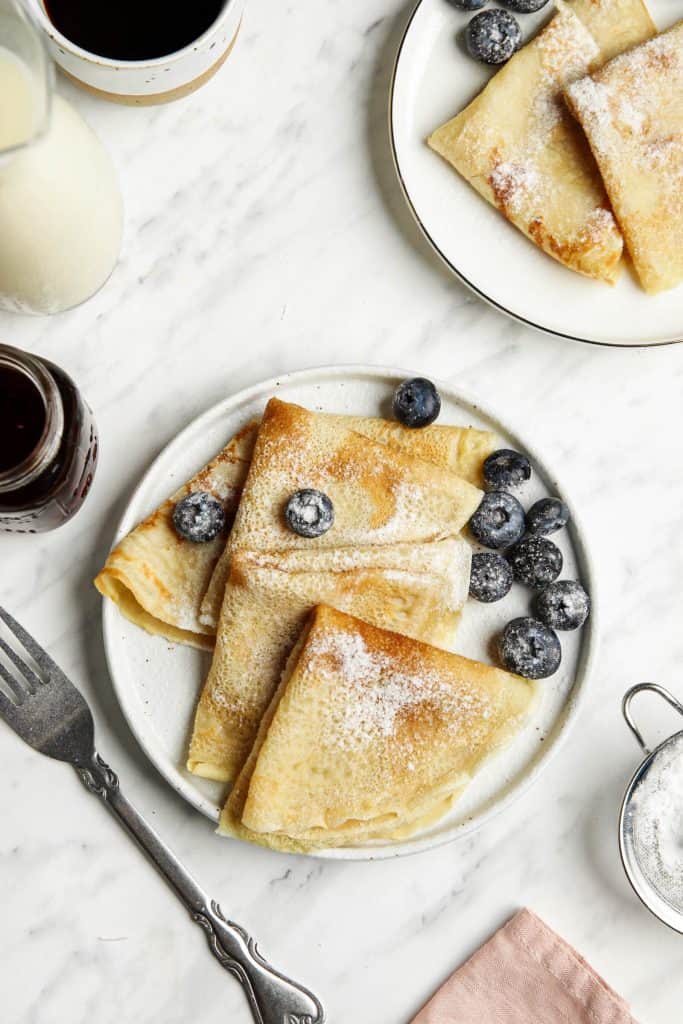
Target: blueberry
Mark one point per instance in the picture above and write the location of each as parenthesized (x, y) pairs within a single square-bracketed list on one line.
[(535, 560), (563, 605), (547, 516), (199, 517), (504, 469), (499, 520), (309, 513), (468, 5), (493, 36), (529, 648), (525, 6), (490, 578), (417, 403)]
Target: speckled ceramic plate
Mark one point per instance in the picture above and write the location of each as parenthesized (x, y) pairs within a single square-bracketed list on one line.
[(433, 79), (158, 683)]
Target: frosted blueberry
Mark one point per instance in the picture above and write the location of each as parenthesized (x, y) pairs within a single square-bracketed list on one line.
[(529, 648), (547, 516), (505, 469), (309, 513), (499, 520), (417, 402), (563, 605), (199, 517), (535, 560), (490, 577), (493, 36)]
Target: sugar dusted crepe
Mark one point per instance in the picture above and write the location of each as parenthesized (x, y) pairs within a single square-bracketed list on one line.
[(632, 113), (174, 588), (417, 589), (381, 495), (370, 736), (459, 449), (158, 578), (517, 146)]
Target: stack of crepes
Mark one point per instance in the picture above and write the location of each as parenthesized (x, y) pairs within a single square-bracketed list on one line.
[(394, 559), (581, 186)]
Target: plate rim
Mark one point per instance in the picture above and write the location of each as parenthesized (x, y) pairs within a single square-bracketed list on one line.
[(518, 317), (570, 711)]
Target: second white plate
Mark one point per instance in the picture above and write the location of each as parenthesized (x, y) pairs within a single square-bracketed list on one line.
[(434, 79), (158, 683)]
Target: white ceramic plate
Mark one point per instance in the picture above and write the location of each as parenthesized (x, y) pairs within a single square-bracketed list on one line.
[(433, 79), (158, 683)]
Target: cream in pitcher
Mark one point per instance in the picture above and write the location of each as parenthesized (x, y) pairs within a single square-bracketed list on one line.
[(18, 108), (61, 215)]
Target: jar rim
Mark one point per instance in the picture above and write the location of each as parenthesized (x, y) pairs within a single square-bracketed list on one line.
[(47, 446)]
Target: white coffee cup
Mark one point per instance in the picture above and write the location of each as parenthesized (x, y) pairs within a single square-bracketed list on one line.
[(143, 82)]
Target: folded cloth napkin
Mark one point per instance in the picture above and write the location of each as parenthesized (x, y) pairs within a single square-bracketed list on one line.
[(525, 974)]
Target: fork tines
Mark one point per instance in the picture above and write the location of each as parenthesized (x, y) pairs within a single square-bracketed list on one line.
[(31, 680)]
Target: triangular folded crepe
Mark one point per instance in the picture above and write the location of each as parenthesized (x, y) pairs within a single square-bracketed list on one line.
[(418, 589), (381, 495), (632, 113), (157, 578), (174, 588), (518, 147), (462, 450), (370, 736)]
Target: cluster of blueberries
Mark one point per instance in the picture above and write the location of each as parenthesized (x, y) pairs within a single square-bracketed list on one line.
[(528, 646), (493, 36)]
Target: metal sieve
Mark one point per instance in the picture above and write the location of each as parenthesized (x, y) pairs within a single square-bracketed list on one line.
[(643, 884)]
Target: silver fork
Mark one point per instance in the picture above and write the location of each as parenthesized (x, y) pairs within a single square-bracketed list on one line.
[(47, 711)]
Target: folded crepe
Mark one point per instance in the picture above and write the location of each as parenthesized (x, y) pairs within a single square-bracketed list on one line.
[(462, 450), (518, 147), (370, 736), (174, 588), (158, 578), (418, 589), (381, 495), (632, 113)]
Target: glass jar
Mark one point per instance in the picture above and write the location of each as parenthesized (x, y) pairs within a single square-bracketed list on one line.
[(48, 444)]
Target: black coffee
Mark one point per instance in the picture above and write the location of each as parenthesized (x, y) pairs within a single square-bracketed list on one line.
[(133, 29), (22, 417)]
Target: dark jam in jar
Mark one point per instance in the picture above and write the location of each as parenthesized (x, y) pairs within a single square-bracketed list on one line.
[(48, 444)]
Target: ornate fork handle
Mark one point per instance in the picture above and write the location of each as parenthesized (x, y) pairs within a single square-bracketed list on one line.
[(273, 998)]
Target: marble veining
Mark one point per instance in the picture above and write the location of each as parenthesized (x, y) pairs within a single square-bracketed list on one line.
[(266, 232)]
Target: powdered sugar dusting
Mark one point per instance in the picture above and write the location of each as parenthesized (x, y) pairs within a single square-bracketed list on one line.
[(518, 166), (384, 692), (515, 182), (658, 824), (631, 112)]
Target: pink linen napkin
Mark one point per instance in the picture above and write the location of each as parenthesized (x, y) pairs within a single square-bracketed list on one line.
[(525, 974)]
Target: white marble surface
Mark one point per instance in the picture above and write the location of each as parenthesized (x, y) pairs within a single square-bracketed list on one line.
[(266, 232)]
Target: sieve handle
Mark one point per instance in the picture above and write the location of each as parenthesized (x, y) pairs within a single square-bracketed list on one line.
[(626, 707)]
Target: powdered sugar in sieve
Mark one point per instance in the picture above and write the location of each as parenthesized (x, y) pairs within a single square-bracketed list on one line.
[(651, 824)]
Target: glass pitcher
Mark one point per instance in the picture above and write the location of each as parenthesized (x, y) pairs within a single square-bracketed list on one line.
[(61, 215)]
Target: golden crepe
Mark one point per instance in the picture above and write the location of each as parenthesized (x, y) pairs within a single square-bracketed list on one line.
[(158, 578), (369, 736), (518, 147), (174, 588), (381, 495), (418, 589), (459, 449), (632, 112)]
